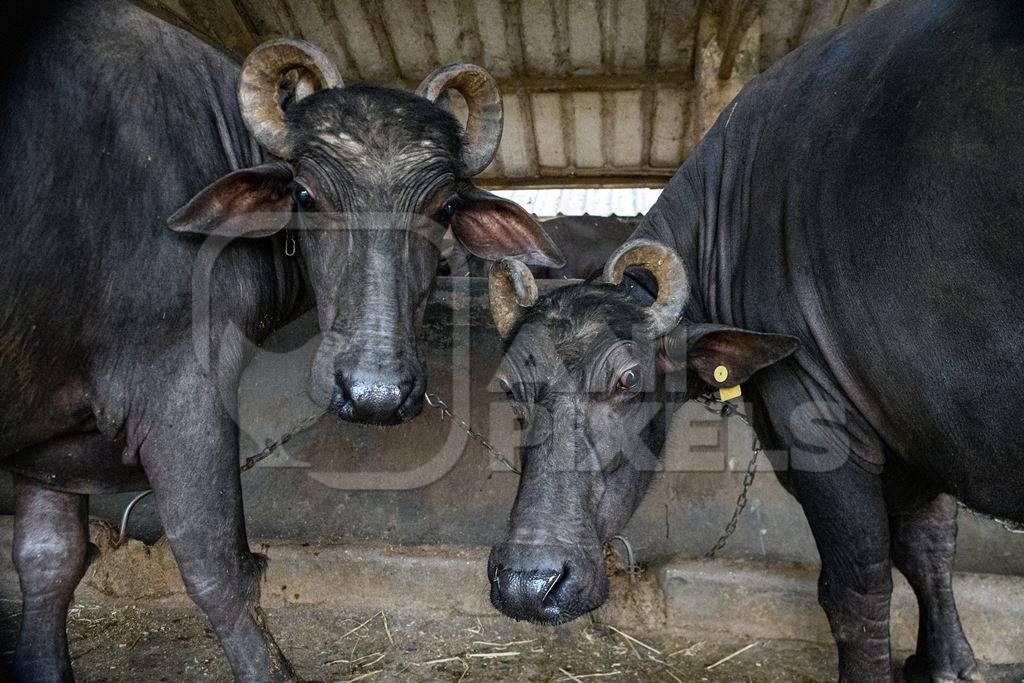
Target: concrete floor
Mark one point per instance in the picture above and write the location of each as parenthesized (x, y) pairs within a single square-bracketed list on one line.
[(346, 613), (157, 642), (153, 641)]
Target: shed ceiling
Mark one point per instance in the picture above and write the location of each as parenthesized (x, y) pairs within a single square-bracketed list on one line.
[(596, 92)]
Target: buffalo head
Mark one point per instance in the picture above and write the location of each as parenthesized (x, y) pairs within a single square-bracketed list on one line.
[(366, 180), (589, 369)]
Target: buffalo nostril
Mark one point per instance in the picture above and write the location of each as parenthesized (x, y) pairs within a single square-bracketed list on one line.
[(528, 594), (545, 584), (538, 585), (341, 392), (375, 399), (554, 582), (340, 404)]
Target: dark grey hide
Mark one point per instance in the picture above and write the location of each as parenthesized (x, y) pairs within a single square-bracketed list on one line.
[(586, 242), (122, 341), (588, 380), (864, 197)]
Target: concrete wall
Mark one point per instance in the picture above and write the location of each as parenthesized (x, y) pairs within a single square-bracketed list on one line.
[(434, 486)]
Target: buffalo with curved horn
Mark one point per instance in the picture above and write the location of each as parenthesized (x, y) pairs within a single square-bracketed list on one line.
[(376, 175), (587, 367), (873, 219), (124, 341)]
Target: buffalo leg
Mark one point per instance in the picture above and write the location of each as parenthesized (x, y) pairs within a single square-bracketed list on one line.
[(923, 546), (846, 510), (191, 460), (51, 541)]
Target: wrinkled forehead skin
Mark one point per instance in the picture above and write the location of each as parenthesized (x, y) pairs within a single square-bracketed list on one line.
[(588, 452), (370, 148), (570, 326), (379, 165)]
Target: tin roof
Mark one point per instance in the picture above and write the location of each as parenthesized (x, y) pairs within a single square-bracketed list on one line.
[(547, 203), (597, 93)]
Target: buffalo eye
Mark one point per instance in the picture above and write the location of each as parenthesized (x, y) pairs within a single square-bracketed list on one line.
[(447, 211), (629, 380), (507, 388), (303, 198)]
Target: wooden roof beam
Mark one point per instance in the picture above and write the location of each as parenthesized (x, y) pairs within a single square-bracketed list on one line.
[(735, 17)]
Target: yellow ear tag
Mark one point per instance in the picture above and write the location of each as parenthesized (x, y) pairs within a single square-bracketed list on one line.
[(729, 393), (726, 393)]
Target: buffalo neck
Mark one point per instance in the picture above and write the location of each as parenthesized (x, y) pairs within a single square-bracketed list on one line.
[(685, 217), (704, 213)]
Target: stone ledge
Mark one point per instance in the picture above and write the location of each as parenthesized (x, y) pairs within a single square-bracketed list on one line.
[(698, 598), (779, 602)]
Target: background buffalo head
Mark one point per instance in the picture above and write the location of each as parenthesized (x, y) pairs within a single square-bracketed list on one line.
[(589, 368)]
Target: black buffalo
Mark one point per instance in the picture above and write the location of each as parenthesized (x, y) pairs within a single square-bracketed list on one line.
[(162, 210), (848, 238)]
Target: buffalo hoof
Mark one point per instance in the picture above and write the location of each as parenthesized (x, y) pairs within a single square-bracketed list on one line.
[(918, 669)]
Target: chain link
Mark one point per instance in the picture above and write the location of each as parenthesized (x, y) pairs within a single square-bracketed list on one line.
[(727, 410), (270, 446), (434, 401), (710, 404)]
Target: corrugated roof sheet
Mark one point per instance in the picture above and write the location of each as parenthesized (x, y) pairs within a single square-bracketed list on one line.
[(597, 93), (546, 203)]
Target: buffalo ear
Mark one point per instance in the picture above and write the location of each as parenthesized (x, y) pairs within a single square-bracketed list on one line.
[(251, 202), (702, 348), (493, 229)]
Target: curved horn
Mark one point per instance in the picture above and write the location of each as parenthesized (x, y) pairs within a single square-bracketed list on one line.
[(666, 267), (483, 99), (511, 287), (260, 82)]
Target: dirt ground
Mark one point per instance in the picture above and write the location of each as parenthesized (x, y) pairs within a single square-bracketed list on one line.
[(152, 642)]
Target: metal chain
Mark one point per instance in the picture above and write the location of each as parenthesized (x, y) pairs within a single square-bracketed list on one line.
[(727, 409), (434, 401), (270, 445), (632, 568), (710, 404)]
